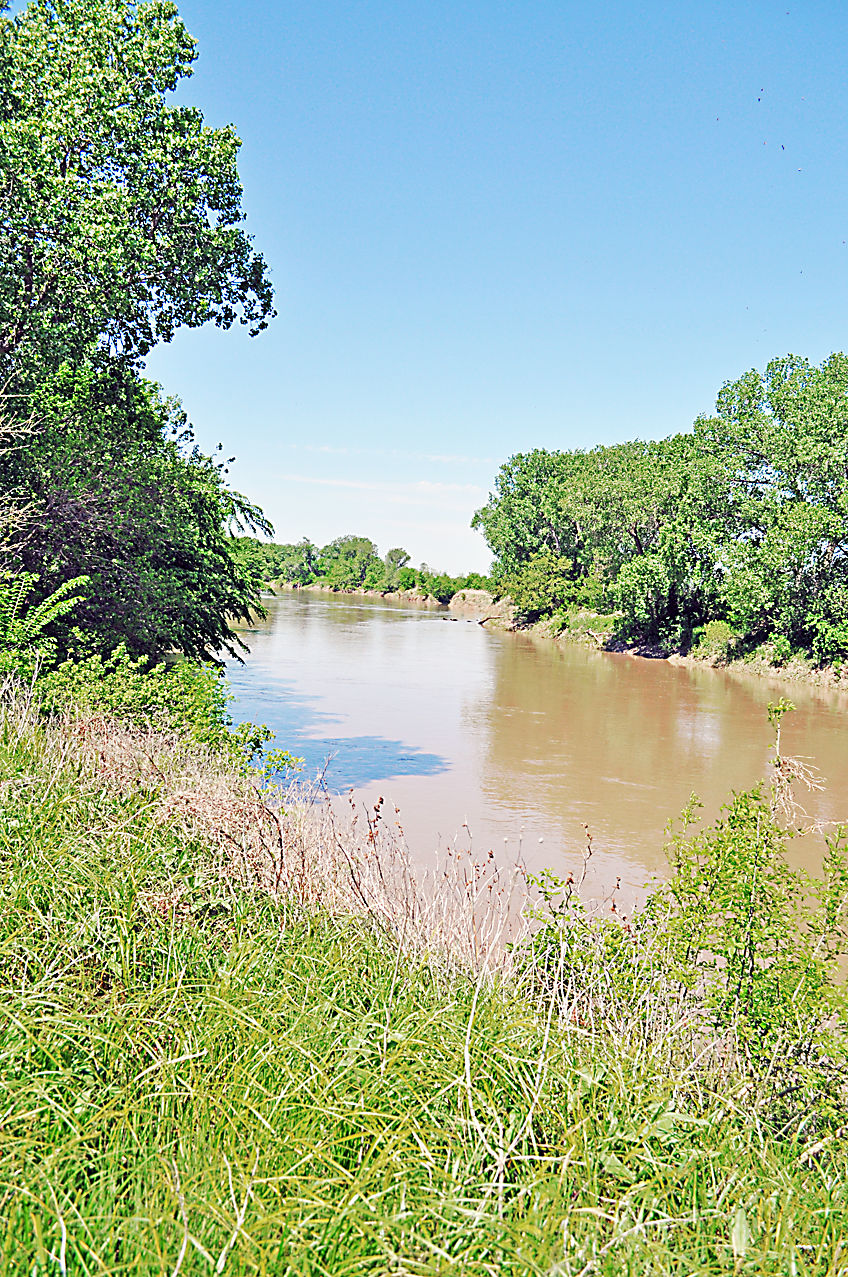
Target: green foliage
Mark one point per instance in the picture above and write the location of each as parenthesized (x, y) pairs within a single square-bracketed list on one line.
[(581, 623), (351, 563), (828, 621), (716, 639), (24, 643), (748, 947), (757, 937), (781, 650), (345, 562), (643, 588), (395, 560), (542, 585), (120, 221), (776, 712), (752, 945), (198, 1075), (120, 217), (438, 585), (743, 521), (528, 512), (183, 698), (179, 696), (290, 564), (111, 487)]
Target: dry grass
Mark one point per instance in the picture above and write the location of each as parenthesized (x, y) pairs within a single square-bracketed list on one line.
[(243, 1037), (300, 845)]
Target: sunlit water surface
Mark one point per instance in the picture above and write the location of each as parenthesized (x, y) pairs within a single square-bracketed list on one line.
[(516, 742)]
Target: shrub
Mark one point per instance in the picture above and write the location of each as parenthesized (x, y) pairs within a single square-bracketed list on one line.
[(543, 585), (781, 650), (716, 639), (830, 642), (180, 696), (744, 945), (24, 639)]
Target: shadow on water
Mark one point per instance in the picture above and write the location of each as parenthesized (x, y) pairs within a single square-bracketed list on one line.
[(525, 741), (343, 762)]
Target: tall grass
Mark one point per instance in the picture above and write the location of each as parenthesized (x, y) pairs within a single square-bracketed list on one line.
[(241, 1041)]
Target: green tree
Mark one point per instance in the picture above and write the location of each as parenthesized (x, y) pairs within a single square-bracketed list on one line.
[(525, 515), (292, 564), (542, 585), (627, 526), (111, 488), (295, 564), (120, 216), (345, 562), (781, 450), (395, 560), (120, 220)]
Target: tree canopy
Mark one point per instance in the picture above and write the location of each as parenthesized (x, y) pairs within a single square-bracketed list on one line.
[(120, 216), (744, 520), (120, 221)]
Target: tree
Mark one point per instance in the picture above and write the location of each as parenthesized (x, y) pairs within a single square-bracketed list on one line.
[(395, 560), (568, 528), (114, 490), (345, 562), (780, 440), (524, 516), (744, 521), (295, 564), (120, 220), (542, 585), (120, 217)]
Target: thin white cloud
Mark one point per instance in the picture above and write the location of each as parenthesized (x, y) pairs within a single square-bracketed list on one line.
[(423, 487), (399, 454)]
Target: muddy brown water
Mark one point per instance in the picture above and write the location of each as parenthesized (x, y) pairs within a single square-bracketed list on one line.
[(515, 744)]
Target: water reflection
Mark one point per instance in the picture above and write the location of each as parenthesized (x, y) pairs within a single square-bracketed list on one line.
[(314, 646), (522, 741)]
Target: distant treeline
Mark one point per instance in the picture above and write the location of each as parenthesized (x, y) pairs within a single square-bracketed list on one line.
[(349, 563), (735, 533)]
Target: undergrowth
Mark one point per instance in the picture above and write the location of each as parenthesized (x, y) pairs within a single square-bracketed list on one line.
[(237, 1039)]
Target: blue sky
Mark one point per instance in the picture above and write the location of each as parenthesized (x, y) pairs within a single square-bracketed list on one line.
[(498, 226)]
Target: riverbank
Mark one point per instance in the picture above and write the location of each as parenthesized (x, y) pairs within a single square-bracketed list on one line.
[(251, 1047), (472, 604), (411, 598), (594, 630)]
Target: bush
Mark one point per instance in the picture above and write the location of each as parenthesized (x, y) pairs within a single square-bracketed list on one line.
[(830, 642), (747, 947), (25, 639), (180, 696), (716, 639), (754, 939), (542, 586), (781, 650)]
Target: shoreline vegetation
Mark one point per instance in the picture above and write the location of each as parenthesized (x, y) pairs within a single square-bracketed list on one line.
[(244, 1035), (592, 629), (240, 1035), (728, 542)]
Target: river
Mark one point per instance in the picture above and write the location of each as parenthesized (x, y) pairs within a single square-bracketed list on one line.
[(516, 744)]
